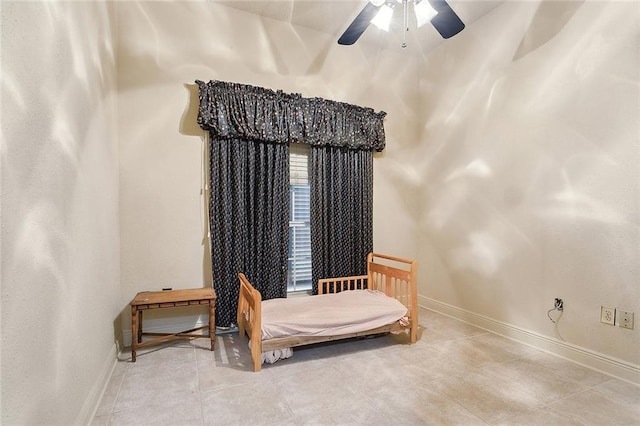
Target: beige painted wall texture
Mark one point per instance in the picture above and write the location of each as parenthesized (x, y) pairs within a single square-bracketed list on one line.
[(530, 170), (511, 174), (162, 49), (60, 265)]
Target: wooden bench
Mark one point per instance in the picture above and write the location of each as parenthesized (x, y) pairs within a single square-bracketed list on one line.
[(148, 300)]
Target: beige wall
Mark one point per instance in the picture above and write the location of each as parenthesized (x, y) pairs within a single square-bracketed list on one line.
[(511, 174), (530, 167), (162, 49), (60, 264)]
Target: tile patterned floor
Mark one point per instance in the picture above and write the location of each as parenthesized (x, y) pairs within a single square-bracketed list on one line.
[(455, 374)]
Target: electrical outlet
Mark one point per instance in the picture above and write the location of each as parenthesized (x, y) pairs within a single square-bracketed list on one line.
[(607, 315), (625, 319)]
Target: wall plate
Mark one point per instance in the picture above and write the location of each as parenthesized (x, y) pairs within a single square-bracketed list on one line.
[(607, 315), (625, 319)]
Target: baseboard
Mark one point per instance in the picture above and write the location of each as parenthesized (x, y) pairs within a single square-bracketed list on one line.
[(92, 401), (596, 361)]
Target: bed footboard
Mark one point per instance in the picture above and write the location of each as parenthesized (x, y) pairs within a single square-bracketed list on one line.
[(250, 319)]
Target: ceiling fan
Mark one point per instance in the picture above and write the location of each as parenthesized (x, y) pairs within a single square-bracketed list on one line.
[(379, 13)]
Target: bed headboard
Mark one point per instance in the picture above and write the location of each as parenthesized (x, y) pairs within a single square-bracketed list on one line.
[(394, 276)]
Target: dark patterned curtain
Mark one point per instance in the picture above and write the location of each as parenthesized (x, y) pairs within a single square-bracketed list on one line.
[(341, 212), (249, 210), (250, 131)]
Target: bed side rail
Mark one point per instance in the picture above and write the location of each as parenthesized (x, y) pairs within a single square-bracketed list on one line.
[(336, 285), (250, 319)]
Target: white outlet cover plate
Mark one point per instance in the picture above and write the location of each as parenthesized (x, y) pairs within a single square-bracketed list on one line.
[(607, 315)]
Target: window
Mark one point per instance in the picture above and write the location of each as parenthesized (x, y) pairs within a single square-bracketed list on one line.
[(299, 257)]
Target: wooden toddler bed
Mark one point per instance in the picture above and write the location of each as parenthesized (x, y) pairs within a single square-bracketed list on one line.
[(392, 279)]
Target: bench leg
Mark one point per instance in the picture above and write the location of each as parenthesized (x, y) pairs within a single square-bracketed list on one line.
[(139, 326), (134, 332), (212, 322)]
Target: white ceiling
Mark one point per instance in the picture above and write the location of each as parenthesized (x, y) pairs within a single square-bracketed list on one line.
[(334, 16)]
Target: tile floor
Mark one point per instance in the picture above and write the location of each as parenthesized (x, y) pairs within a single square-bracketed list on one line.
[(455, 374)]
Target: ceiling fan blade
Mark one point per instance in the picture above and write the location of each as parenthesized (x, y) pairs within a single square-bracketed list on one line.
[(446, 22), (359, 25)]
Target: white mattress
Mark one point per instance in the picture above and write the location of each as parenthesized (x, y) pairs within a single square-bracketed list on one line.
[(329, 314)]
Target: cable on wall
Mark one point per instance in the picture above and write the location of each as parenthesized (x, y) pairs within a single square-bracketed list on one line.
[(557, 306)]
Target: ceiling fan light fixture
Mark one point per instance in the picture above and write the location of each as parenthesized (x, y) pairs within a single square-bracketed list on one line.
[(382, 19), (378, 12), (424, 12)]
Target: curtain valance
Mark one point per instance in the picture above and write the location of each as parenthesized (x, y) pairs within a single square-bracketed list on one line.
[(233, 110)]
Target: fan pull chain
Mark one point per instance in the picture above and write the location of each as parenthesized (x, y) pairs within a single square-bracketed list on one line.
[(406, 24)]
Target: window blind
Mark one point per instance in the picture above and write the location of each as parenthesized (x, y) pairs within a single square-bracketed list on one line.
[(299, 164), (299, 259)]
